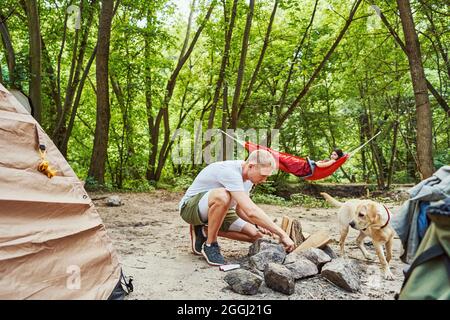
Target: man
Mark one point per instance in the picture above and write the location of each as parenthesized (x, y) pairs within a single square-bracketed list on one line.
[(219, 198)]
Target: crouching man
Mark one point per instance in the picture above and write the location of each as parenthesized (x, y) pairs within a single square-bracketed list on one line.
[(218, 204)]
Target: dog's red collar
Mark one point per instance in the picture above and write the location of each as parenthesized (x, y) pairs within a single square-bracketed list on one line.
[(389, 217)]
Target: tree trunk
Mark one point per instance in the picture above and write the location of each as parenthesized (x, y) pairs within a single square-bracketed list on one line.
[(442, 102), (9, 50), (35, 58), (163, 114), (393, 154), (224, 63), (99, 152), (319, 68), (224, 121), (423, 110), (294, 60), (260, 60), (73, 88), (76, 103), (440, 47), (241, 69), (362, 128)]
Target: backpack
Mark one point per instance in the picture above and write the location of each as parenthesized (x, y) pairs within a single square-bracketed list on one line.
[(429, 274)]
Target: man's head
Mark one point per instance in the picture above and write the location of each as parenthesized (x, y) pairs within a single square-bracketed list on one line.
[(260, 164)]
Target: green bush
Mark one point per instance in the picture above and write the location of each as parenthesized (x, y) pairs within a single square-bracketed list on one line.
[(269, 199), (139, 186), (91, 184), (308, 201)]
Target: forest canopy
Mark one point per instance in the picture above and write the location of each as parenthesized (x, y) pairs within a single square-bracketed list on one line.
[(114, 82)]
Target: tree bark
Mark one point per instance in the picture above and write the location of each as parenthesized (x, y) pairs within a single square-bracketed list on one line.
[(423, 110), (99, 151), (35, 58)]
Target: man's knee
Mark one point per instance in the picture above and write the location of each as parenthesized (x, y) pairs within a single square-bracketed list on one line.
[(220, 197), (257, 235)]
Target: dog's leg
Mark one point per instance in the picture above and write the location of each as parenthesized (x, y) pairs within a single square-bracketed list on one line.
[(384, 264), (360, 243), (389, 250), (344, 232)]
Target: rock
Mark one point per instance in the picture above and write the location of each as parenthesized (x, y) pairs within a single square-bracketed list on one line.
[(261, 259), (279, 278), (113, 201), (343, 273), (316, 256), (243, 281), (263, 244), (302, 268), (327, 249)]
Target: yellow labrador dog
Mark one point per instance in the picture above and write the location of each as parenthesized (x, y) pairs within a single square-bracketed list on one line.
[(372, 220)]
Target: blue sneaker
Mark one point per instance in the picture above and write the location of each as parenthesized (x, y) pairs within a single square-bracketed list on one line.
[(197, 239), (213, 255)]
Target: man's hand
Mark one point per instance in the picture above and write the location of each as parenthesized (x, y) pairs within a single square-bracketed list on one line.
[(288, 243)]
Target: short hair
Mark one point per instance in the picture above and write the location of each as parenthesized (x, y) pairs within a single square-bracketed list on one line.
[(262, 157)]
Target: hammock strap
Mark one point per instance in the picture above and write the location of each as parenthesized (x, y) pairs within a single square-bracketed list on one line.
[(363, 145), (235, 139)]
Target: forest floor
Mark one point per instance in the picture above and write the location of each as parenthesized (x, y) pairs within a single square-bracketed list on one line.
[(154, 248)]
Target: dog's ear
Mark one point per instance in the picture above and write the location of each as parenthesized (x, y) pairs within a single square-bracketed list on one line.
[(372, 213), (361, 209)]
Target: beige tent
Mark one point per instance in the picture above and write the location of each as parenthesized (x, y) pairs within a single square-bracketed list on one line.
[(53, 244)]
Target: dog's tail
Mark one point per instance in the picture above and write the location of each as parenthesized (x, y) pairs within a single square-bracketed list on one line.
[(331, 200)]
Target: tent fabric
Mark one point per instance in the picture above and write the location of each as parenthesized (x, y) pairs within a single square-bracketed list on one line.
[(298, 166), (53, 243)]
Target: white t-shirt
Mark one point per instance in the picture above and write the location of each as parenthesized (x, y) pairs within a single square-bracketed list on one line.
[(222, 174)]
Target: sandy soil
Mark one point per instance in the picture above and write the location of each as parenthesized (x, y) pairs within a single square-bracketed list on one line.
[(153, 246)]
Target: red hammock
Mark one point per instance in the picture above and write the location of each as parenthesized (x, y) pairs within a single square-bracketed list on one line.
[(300, 167)]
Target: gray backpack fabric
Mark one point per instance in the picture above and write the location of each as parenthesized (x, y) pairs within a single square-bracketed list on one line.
[(405, 222)]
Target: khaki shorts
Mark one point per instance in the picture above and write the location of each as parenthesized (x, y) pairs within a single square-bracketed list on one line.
[(190, 214)]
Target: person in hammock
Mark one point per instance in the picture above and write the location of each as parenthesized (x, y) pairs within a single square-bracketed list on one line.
[(335, 155)]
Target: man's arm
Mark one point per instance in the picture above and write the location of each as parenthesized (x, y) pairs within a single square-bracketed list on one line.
[(244, 216), (256, 215)]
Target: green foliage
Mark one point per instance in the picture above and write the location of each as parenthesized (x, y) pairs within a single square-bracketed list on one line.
[(442, 159)]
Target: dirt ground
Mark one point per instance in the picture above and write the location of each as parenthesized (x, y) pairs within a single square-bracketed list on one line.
[(153, 245)]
